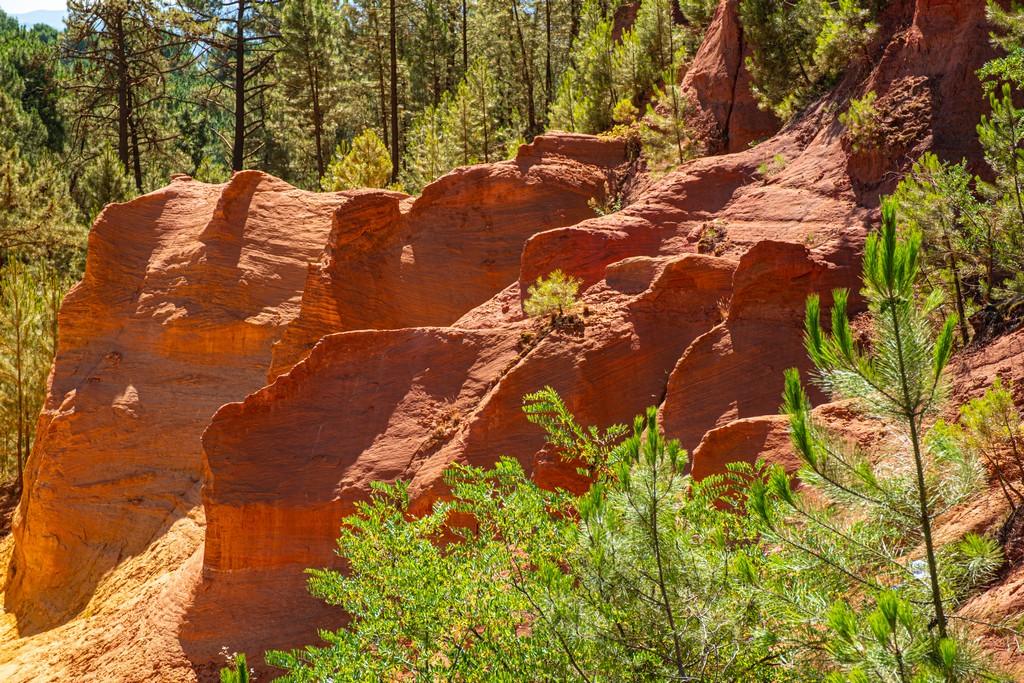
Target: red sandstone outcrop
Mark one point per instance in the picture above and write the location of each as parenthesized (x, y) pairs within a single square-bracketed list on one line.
[(393, 262), (392, 332), (735, 371), (184, 292), (718, 83), (766, 437), (368, 406)]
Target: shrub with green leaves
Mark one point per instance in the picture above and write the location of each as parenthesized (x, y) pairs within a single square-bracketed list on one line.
[(555, 295), (862, 123), (238, 672), (434, 612), (991, 427), (363, 163), (630, 582), (974, 230), (770, 169)]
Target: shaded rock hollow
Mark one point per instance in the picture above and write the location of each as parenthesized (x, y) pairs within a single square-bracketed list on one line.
[(174, 493)]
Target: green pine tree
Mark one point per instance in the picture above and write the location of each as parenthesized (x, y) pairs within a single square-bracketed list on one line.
[(854, 544), (28, 341), (309, 67), (363, 163), (429, 153)]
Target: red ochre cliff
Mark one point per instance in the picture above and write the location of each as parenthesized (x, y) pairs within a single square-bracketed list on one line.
[(242, 360)]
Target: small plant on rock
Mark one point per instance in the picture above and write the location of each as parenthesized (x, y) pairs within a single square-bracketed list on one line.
[(862, 122), (555, 295), (770, 169), (237, 672), (611, 201), (991, 426), (712, 238)]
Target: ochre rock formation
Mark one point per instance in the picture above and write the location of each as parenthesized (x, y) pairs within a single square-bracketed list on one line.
[(184, 292), (242, 360), (384, 405), (735, 371), (391, 261), (766, 437), (718, 83)]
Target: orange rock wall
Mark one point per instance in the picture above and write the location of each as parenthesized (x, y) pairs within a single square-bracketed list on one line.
[(718, 83), (393, 262), (185, 290)]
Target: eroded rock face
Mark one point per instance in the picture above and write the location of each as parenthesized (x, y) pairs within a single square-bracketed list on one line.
[(184, 292), (766, 437), (735, 371), (718, 83), (406, 404), (393, 262)]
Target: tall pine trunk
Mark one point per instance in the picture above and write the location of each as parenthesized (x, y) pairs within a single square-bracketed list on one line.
[(393, 37), (121, 62), (20, 380), (136, 151), (547, 54), (531, 114), (238, 145), (318, 128)]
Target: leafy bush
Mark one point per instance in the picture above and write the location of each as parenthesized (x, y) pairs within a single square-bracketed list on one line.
[(237, 672), (629, 582), (624, 112), (363, 163), (713, 238), (974, 230), (610, 201), (862, 122), (991, 426), (556, 294), (770, 169), (665, 133)]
